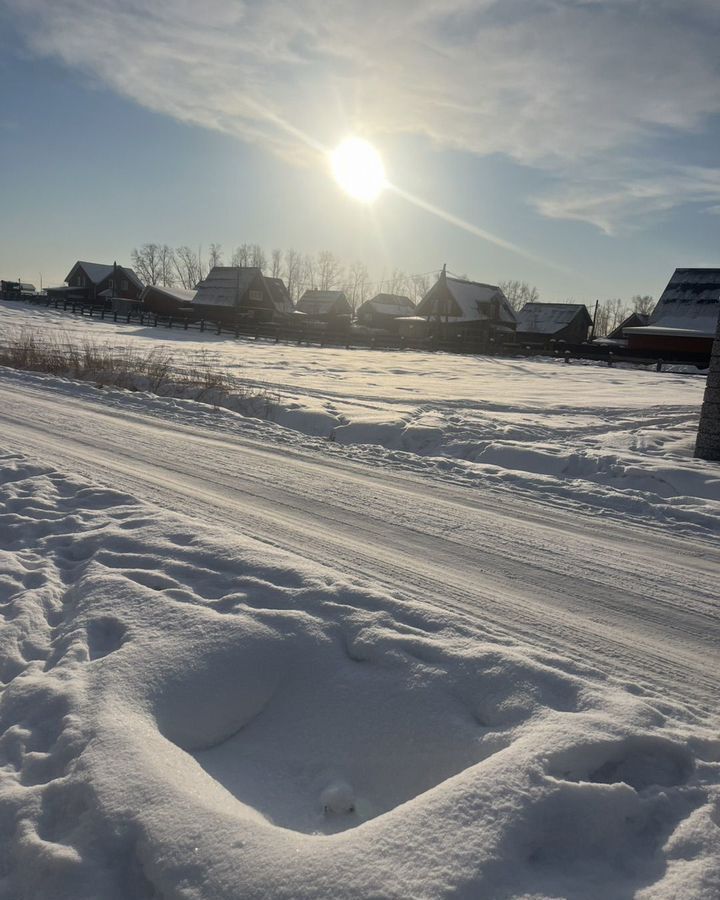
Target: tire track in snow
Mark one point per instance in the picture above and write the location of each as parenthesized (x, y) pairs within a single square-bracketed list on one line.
[(438, 543)]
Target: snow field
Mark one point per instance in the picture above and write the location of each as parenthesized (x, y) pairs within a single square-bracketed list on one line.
[(188, 713), (618, 441)]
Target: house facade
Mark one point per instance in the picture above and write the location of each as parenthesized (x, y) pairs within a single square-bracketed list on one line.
[(167, 301), (241, 294), (541, 324), (456, 309), (99, 284), (383, 311), (685, 317), (325, 307)]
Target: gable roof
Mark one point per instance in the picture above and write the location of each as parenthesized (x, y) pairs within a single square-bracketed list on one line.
[(320, 302), (390, 305), (98, 272), (225, 285), (691, 301), (280, 296), (634, 320), (548, 318), (473, 299), (174, 292)]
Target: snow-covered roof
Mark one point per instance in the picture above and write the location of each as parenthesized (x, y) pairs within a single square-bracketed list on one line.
[(473, 299), (97, 272), (691, 300), (671, 331), (225, 285), (320, 302), (390, 305), (279, 293), (174, 292), (548, 318)]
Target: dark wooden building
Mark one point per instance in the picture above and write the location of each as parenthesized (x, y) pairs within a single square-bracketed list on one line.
[(685, 317), (99, 284), (241, 294), (634, 320), (383, 311), (542, 324), (167, 301), (326, 307), (16, 290), (456, 309)]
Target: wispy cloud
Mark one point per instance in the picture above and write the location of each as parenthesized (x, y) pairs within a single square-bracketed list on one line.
[(565, 85)]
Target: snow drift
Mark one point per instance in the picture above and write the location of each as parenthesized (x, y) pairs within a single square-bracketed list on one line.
[(188, 713)]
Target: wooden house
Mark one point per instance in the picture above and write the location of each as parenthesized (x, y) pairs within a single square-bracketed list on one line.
[(634, 320), (241, 294), (456, 309), (167, 301), (325, 307), (99, 284), (541, 324), (16, 290), (685, 317), (384, 310)]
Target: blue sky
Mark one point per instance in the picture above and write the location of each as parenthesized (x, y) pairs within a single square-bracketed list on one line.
[(585, 133)]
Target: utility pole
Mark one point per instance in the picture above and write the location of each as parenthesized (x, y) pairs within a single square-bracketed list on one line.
[(592, 330), (708, 439)]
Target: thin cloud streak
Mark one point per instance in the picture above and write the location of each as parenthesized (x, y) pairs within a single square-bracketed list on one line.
[(475, 230), (569, 87)]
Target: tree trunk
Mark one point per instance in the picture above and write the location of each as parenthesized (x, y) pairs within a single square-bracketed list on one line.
[(708, 439)]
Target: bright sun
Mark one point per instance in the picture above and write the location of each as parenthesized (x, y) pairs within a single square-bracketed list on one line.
[(358, 169)]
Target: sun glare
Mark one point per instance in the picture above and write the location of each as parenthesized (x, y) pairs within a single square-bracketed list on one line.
[(358, 169)]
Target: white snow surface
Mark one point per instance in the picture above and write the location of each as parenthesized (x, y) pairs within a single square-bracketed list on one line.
[(241, 660)]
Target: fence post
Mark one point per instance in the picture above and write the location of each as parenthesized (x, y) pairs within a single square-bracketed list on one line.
[(659, 365), (610, 359), (127, 319), (219, 330), (169, 321), (202, 324), (567, 357), (102, 314), (114, 315), (237, 331), (185, 323)]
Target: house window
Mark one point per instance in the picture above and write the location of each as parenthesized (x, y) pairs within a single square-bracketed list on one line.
[(256, 295)]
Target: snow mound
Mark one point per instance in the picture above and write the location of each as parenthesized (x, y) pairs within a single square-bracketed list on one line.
[(187, 713)]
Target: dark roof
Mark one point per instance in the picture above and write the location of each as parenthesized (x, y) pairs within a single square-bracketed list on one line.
[(634, 320), (548, 318), (390, 305), (225, 285), (691, 300)]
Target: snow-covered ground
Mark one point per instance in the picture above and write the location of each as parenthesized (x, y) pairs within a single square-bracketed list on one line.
[(442, 654)]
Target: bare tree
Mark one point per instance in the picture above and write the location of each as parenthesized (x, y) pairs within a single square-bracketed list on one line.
[(276, 264), (397, 283), (609, 315), (167, 265), (241, 255), (215, 255), (257, 257), (309, 273), (186, 267), (146, 262), (519, 293), (293, 272), (329, 269), (642, 304), (419, 286), (358, 286)]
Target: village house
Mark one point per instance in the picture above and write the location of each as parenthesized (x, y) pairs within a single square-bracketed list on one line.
[(100, 284), (167, 301), (241, 294), (325, 307), (16, 290), (383, 311), (542, 324), (456, 309), (634, 320), (685, 317)]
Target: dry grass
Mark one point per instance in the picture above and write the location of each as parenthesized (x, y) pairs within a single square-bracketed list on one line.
[(128, 368)]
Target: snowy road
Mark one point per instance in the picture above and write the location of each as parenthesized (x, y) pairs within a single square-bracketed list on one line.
[(634, 602)]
